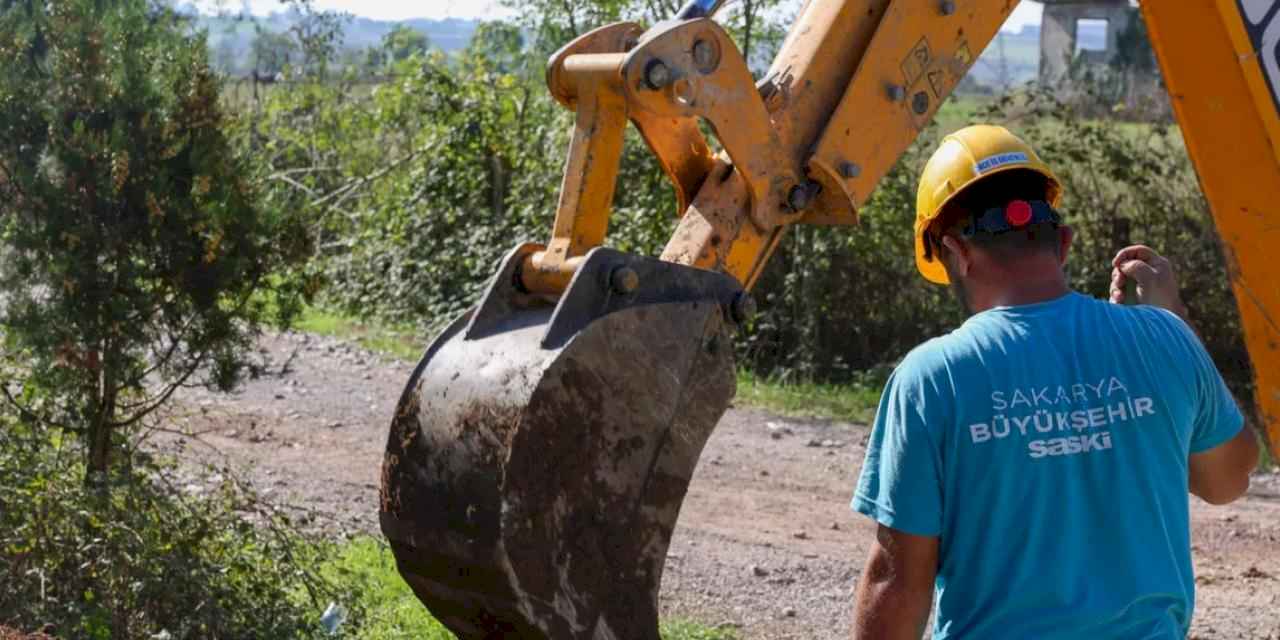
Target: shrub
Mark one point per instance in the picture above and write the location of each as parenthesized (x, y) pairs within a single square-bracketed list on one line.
[(482, 145), (148, 558), (420, 186)]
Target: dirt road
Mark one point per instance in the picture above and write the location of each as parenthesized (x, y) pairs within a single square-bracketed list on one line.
[(766, 542)]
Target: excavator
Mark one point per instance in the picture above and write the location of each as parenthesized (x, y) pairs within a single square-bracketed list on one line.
[(540, 453)]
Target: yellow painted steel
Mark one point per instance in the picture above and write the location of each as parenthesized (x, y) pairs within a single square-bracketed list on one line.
[(722, 93), (802, 89), (587, 79), (920, 51), (1223, 83)]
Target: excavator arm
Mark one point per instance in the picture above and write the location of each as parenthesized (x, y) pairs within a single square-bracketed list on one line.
[(541, 451), (1221, 64)]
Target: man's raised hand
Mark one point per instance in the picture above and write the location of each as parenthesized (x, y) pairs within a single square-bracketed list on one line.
[(1153, 273)]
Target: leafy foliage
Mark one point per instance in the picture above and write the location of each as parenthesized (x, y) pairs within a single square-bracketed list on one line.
[(418, 188), (271, 52), (148, 559), (318, 34), (133, 253), (481, 143), (403, 42)]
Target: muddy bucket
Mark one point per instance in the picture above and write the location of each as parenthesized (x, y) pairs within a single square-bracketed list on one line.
[(540, 453)]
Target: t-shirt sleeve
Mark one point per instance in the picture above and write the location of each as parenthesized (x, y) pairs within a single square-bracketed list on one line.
[(1217, 416), (901, 482)]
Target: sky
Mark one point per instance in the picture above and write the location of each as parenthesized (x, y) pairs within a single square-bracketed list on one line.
[(1025, 13)]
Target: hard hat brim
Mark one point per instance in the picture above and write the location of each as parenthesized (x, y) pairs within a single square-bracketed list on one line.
[(932, 270)]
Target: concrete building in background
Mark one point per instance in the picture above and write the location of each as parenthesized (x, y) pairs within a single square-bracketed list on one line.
[(1086, 27)]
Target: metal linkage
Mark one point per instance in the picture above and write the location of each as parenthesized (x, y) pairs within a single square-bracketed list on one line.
[(664, 81)]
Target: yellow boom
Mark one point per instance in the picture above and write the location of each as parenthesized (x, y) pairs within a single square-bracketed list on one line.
[(1222, 68)]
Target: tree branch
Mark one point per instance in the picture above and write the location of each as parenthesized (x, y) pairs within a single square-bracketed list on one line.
[(33, 416)]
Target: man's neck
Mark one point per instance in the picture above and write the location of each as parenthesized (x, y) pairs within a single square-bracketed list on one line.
[(1012, 292)]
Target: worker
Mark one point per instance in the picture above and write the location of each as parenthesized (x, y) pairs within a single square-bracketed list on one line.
[(1029, 471)]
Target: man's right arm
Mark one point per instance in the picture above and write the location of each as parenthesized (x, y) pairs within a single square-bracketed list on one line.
[(900, 488), (895, 593), (1218, 469), (1221, 474)]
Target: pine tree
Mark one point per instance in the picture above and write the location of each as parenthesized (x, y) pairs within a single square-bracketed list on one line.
[(133, 257)]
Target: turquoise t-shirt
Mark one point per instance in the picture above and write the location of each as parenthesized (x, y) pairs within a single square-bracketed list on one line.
[(1046, 447)]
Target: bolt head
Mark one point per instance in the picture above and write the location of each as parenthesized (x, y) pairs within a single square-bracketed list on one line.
[(897, 92), (657, 74), (802, 195), (743, 308), (704, 56), (624, 280), (920, 103), (947, 7), (798, 198), (850, 170)]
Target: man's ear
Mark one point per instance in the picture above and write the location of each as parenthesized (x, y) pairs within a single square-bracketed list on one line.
[(1065, 236), (957, 255)]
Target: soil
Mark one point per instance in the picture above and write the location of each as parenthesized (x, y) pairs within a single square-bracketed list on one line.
[(766, 543)]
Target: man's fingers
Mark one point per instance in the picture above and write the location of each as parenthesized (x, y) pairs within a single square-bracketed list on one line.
[(1161, 264), (1117, 286), (1135, 252), (1144, 273)]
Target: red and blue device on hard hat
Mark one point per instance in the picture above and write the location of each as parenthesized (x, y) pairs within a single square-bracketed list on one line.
[(1018, 214), (1015, 215)]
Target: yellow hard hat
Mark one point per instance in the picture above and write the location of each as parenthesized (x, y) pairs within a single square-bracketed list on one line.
[(963, 158)]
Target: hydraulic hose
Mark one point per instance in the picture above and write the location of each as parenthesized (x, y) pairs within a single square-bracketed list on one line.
[(699, 9)]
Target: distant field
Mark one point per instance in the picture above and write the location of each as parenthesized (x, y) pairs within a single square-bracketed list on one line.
[(1015, 57), (231, 37)]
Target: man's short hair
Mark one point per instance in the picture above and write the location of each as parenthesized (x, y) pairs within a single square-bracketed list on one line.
[(997, 191)]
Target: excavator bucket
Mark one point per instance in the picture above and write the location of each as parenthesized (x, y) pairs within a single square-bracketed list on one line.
[(540, 452)]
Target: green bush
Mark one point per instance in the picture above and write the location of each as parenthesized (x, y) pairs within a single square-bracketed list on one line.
[(150, 557), (418, 187), (483, 144)]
